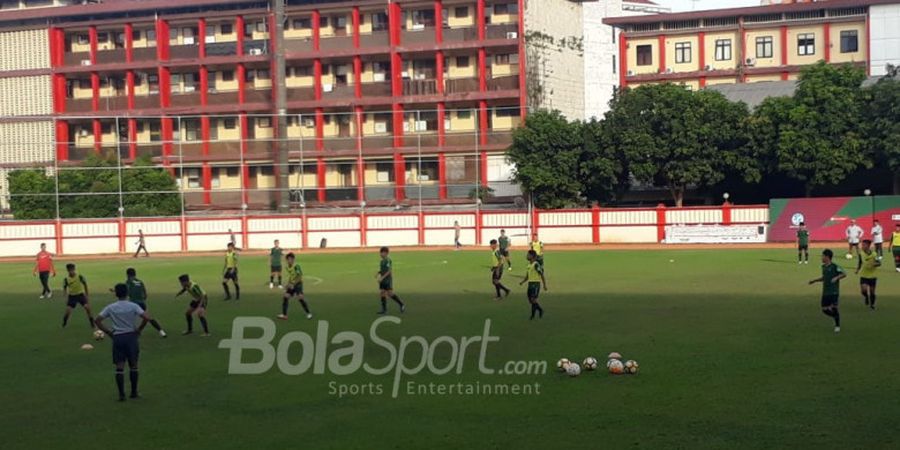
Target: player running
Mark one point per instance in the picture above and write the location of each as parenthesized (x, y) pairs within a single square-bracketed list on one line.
[(802, 244), (137, 293), (142, 245), (457, 230), (75, 288), (503, 241), (534, 275), (497, 260), (895, 246), (230, 272), (832, 274), (385, 277), (294, 288), (854, 235), (44, 269), (867, 269), (878, 238), (125, 332), (199, 301), (275, 265), (538, 248)]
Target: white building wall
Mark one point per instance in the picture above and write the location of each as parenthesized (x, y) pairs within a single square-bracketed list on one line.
[(554, 56), (884, 37)]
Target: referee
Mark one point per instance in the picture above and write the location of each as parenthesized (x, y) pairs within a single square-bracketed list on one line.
[(124, 315)]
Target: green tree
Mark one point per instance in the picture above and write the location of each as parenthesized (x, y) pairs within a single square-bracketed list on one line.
[(149, 191), (882, 123), (31, 195), (678, 139), (815, 137)]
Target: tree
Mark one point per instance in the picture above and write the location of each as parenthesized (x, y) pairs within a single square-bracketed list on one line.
[(149, 191), (31, 195), (882, 123), (678, 139), (815, 137)]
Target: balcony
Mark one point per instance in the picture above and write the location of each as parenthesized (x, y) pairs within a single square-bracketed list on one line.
[(336, 43), (503, 31), (378, 142), (374, 39), (461, 85), (335, 143), (337, 194), (259, 149), (230, 199), (461, 139), (423, 139), (301, 94), (222, 97), (510, 82), (146, 101), (263, 95), (460, 34), (152, 150), (189, 149), (420, 87), (185, 99), (256, 47), (338, 91), (79, 105), (377, 89), (77, 59), (499, 137), (421, 36), (298, 45), (111, 56), (184, 51), (423, 191), (115, 103), (144, 54), (380, 192), (221, 49)]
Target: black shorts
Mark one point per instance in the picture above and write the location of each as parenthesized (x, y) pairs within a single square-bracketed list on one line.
[(868, 281), (125, 348), (75, 300), (197, 304), (275, 269), (497, 273), (534, 290), (829, 300), (231, 274), (854, 245), (804, 248), (141, 304), (296, 289), (386, 284), (504, 253), (540, 260)]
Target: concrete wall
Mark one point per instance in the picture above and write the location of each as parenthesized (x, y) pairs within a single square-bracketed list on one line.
[(885, 36), (554, 49)]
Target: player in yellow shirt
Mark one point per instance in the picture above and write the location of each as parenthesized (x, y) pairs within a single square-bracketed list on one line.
[(534, 275), (895, 246), (867, 269), (497, 261), (538, 248), (230, 272), (199, 302), (76, 289), (294, 288)]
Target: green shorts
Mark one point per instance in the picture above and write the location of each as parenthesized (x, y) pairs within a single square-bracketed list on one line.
[(534, 290)]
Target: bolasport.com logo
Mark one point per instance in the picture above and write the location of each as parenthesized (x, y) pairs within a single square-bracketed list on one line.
[(253, 350)]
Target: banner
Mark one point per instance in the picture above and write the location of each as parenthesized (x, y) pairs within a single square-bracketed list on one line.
[(828, 218), (715, 234)]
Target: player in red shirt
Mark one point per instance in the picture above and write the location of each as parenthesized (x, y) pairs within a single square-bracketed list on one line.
[(44, 268)]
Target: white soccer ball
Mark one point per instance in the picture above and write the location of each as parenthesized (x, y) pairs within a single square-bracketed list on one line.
[(573, 369), (87, 347), (615, 367), (99, 335), (614, 355), (849, 256), (589, 363), (562, 364), (631, 367)]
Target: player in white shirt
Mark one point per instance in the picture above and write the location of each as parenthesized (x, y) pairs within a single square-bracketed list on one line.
[(878, 239), (854, 235)]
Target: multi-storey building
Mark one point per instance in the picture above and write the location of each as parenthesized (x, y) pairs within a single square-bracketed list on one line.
[(385, 100), (764, 43)]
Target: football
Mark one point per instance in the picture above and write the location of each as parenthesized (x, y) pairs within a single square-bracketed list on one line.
[(614, 355), (589, 363), (562, 364), (615, 367), (631, 367), (573, 369), (99, 335), (849, 256), (87, 347)]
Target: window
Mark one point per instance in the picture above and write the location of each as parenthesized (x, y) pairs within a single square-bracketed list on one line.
[(193, 178), (723, 49), (682, 52), (83, 39), (262, 74), (506, 8), (379, 21), (227, 28), (806, 44), (229, 124), (301, 24), (764, 47), (261, 26), (151, 35), (462, 61), (644, 55), (227, 75), (461, 12), (103, 38), (264, 122), (464, 115), (501, 59), (849, 41), (136, 35), (84, 83), (249, 76), (303, 71), (323, 22)]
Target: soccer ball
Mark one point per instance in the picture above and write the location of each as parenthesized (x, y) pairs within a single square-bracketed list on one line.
[(849, 256), (99, 335), (87, 347), (615, 367), (563, 364), (589, 363), (614, 355), (631, 367), (573, 370)]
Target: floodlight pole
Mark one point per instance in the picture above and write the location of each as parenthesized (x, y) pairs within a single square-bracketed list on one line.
[(278, 67)]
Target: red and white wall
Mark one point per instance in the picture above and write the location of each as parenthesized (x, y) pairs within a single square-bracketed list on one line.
[(585, 226)]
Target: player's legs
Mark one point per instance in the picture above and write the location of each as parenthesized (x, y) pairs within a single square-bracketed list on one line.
[(237, 286), (879, 250), (45, 286), (864, 290), (146, 253), (872, 285), (120, 376), (383, 297), (285, 301), (302, 299), (66, 315), (534, 290), (189, 318), (201, 314), (225, 284), (830, 309), (137, 252), (133, 355), (396, 298), (90, 316)]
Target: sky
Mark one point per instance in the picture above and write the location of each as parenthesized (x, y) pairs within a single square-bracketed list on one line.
[(688, 5)]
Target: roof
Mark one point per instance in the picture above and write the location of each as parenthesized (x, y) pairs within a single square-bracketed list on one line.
[(753, 94), (745, 11)]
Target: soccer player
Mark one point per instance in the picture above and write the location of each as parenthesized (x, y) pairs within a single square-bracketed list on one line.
[(497, 270), (832, 274), (854, 234), (275, 265), (142, 245), (44, 269), (503, 241), (878, 238), (538, 248), (802, 244), (385, 277), (137, 293), (125, 332), (867, 269), (230, 272), (895, 246), (76, 289), (534, 275), (294, 288), (456, 232), (199, 300)]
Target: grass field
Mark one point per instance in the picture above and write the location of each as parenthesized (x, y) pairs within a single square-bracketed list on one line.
[(733, 348)]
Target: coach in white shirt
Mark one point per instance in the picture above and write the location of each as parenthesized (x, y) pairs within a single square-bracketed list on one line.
[(854, 235), (878, 239)]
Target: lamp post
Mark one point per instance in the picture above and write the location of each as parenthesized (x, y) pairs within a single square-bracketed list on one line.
[(726, 196), (868, 193)]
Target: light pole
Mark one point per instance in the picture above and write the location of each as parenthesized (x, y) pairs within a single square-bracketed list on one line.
[(726, 196), (868, 193)]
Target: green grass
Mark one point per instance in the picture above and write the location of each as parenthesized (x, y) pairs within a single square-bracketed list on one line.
[(734, 353)]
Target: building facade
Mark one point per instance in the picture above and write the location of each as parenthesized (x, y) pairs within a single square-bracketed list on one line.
[(765, 43), (385, 100)]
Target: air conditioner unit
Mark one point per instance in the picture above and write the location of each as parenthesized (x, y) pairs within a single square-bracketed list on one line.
[(751, 61), (512, 35), (188, 40), (83, 132), (378, 76), (85, 62), (256, 51), (630, 73), (669, 70), (327, 87), (381, 127), (708, 67)]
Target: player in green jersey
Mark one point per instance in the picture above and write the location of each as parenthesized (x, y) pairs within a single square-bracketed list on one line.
[(275, 265), (137, 294), (534, 275), (497, 260), (867, 269), (199, 301), (802, 244), (385, 277), (832, 274), (503, 242), (294, 288)]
